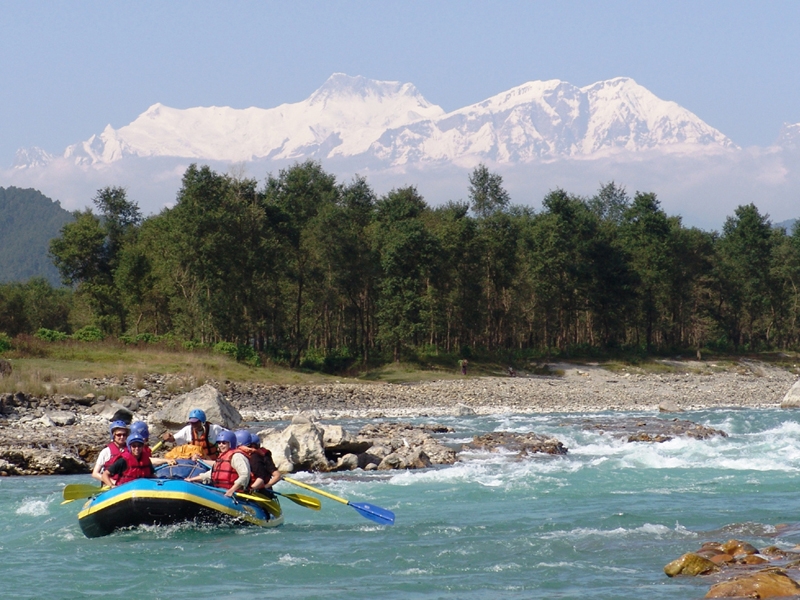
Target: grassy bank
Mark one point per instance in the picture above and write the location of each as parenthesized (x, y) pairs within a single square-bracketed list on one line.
[(67, 367)]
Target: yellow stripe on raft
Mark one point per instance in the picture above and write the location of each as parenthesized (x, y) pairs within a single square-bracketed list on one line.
[(129, 495)]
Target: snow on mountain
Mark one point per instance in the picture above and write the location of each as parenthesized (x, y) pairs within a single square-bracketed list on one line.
[(392, 122), (789, 136), (31, 157), (343, 117), (550, 119)]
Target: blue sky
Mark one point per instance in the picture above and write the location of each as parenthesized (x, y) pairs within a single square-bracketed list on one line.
[(69, 68)]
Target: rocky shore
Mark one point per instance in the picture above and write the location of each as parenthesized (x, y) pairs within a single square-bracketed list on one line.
[(62, 434)]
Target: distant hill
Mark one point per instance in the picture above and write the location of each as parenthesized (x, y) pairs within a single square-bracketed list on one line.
[(28, 221), (787, 225)]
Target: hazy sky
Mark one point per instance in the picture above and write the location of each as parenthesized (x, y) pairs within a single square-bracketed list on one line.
[(70, 68)]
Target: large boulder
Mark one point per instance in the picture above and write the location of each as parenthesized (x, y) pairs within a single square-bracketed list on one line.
[(299, 447), (792, 397), (40, 461), (61, 418), (112, 411), (208, 399), (769, 583)]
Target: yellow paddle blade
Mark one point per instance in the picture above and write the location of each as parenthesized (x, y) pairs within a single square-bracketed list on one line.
[(272, 507), (302, 500), (76, 491)]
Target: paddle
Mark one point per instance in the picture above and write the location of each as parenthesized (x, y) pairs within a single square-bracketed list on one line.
[(368, 511), (76, 491), (302, 500), (271, 506)]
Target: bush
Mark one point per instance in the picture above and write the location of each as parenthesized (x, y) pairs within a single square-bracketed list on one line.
[(334, 360), (90, 333), (5, 342), (243, 353), (50, 335)]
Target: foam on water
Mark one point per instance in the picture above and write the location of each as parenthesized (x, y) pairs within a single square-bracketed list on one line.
[(34, 508)]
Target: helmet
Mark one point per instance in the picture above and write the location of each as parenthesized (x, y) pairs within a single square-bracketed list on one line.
[(117, 425), (134, 437), (255, 439), (242, 437), (227, 436), (197, 415), (140, 427)]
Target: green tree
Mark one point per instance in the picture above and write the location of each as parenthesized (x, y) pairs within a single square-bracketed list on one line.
[(486, 193), (299, 195), (88, 251), (746, 287), (645, 234), (406, 250)]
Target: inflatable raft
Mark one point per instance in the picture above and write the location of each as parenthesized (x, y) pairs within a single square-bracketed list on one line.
[(168, 499)]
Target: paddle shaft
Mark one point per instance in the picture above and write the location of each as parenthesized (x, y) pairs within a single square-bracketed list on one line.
[(316, 490), (368, 511)]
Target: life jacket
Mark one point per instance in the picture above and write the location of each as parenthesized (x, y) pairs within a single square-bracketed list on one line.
[(136, 468), (116, 452), (223, 475), (256, 464), (147, 451), (209, 449)]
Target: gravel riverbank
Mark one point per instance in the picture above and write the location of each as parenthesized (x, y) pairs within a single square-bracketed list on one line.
[(77, 427)]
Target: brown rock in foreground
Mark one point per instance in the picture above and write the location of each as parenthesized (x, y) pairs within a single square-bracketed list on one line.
[(770, 583)]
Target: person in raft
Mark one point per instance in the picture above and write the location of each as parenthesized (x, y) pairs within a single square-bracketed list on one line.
[(131, 464), (269, 474), (199, 432), (140, 427), (263, 473), (119, 432), (231, 470)]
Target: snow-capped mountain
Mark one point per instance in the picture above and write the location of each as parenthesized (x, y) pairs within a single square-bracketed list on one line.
[(343, 117), (551, 119), (350, 117), (32, 157)]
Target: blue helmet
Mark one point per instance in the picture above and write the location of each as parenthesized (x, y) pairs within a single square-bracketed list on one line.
[(134, 437), (255, 439), (227, 436), (242, 438), (140, 427), (197, 415), (117, 425)]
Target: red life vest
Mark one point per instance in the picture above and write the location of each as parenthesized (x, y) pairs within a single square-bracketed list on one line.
[(147, 451), (223, 475), (116, 451), (136, 468), (209, 449)]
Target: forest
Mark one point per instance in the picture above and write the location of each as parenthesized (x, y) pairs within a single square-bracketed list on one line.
[(304, 270)]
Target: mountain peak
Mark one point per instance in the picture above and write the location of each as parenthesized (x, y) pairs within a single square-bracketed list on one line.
[(345, 88)]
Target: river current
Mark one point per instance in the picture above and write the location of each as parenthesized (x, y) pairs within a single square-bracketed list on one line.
[(600, 523)]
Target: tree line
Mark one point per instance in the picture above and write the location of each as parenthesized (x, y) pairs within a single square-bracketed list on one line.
[(304, 269)]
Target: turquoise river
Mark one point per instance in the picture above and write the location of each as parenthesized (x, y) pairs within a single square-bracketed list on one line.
[(598, 523)]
